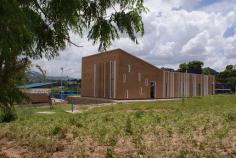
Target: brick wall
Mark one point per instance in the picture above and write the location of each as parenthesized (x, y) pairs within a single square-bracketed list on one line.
[(119, 75)]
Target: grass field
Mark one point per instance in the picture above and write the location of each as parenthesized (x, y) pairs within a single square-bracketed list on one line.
[(201, 127)]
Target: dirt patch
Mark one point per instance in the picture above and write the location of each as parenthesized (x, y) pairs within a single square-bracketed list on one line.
[(125, 148), (228, 143), (46, 112), (12, 150), (93, 149), (60, 155), (152, 110), (85, 108)]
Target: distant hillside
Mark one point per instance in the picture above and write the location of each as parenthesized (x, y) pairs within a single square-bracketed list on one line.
[(209, 71), (33, 76)]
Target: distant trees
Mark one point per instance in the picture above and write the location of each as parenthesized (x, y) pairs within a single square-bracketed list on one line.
[(183, 67), (191, 67), (167, 69), (226, 76), (209, 71)]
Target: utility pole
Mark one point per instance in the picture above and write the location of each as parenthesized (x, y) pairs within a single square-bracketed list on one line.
[(67, 81), (61, 80)]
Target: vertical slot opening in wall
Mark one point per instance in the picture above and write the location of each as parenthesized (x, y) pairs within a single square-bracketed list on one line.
[(110, 94), (114, 79), (141, 91), (127, 94), (146, 82), (199, 89), (104, 80), (129, 68), (166, 90), (94, 79)]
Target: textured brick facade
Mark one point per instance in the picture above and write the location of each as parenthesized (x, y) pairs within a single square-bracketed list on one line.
[(119, 75)]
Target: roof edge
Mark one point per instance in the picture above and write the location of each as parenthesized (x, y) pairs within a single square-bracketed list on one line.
[(109, 51)]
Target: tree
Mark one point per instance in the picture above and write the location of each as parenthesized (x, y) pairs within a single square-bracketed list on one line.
[(32, 29), (195, 66), (13, 73), (191, 67), (43, 72), (228, 76), (183, 67), (229, 68)]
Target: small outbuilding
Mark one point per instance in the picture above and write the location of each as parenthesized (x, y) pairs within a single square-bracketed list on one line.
[(37, 92), (117, 74)]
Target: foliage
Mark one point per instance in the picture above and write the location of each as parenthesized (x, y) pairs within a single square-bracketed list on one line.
[(192, 67), (7, 114), (183, 67), (201, 127), (43, 72), (10, 75), (33, 29), (228, 76), (209, 71), (128, 126)]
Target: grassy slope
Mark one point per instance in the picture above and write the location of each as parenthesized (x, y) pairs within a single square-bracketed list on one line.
[(201, 127)]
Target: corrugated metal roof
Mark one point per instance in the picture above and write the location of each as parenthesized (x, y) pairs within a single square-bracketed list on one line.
[(35, 85)]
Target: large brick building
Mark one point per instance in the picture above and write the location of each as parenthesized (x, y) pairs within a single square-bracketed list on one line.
[(117, 74)]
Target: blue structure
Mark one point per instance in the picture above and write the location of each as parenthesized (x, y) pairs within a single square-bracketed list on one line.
[(64, 94), (35, 85), (58, 95)]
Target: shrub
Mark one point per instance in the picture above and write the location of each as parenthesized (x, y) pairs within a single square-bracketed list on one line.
[(7, 114), (56, 130), (59, 132), (128, 126), (110, 153), (230, 116)]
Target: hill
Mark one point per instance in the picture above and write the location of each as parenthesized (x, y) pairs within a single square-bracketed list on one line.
[(33, 76)]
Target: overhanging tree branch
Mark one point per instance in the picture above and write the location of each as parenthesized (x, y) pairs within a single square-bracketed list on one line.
[(47, 17)]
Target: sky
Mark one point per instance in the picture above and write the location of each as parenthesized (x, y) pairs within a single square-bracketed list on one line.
[(176, 31)]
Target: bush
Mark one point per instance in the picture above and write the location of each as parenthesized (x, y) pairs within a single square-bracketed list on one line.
[(110, 153), (59, 132), (128, 126), (230, 116), (7, 114)]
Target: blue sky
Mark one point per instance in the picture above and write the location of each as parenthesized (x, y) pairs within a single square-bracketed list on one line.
[(176, 31), (204, 3)]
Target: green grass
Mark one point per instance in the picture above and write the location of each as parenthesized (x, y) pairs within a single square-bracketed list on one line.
[(201, 127)]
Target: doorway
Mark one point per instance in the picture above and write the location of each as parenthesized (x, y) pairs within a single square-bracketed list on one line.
[(152, 89)]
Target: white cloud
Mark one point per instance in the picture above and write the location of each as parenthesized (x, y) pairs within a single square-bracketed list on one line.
[(196, 45), (171, 37)]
